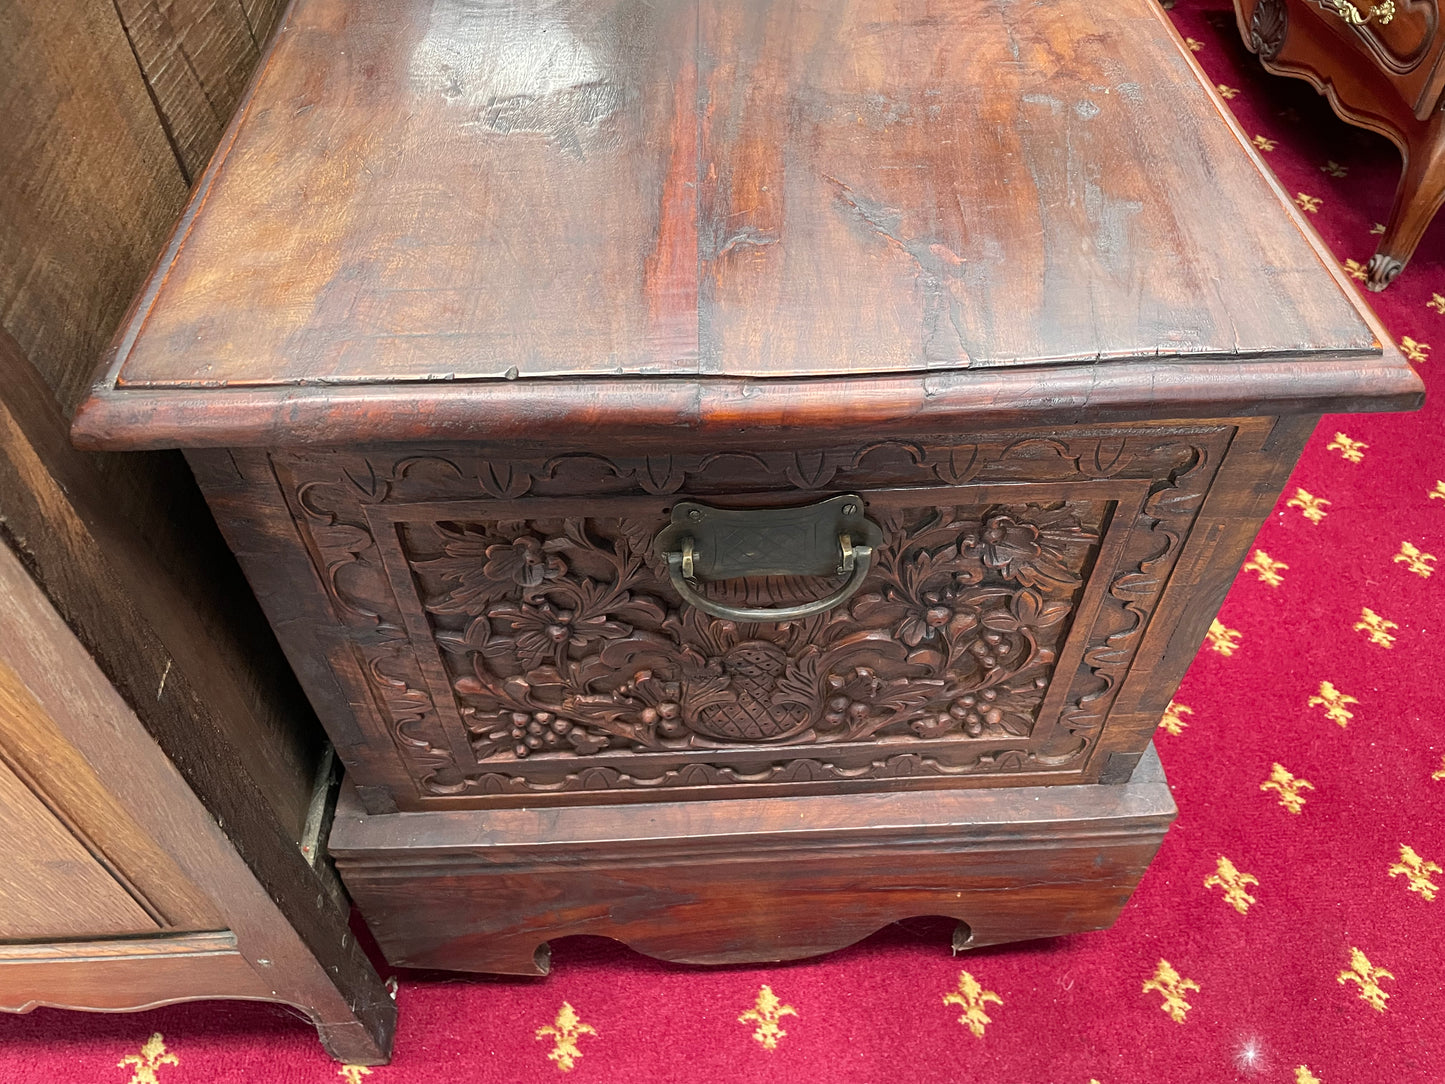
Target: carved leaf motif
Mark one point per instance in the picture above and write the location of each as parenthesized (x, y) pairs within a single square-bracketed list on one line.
[(660, 474), (956, 466), (1267, 27), (341, 537), (1107, 458), (503, 480), (925, 653), (810, 470), (799, 684), (365, 479)]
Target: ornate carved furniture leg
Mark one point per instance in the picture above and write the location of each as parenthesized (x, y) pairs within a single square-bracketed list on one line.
[(1386, 77), (1418, 197)]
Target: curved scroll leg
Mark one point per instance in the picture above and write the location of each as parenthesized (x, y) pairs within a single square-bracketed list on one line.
[(1418, 197)]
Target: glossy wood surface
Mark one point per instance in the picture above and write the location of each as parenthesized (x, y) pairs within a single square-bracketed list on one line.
[(423, 199)]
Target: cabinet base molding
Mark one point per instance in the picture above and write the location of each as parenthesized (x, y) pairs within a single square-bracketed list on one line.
[(750, 880)]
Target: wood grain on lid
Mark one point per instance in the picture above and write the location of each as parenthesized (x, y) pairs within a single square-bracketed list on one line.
[(472, 190)]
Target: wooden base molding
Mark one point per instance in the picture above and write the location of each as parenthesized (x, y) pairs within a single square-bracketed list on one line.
[(750, 880)]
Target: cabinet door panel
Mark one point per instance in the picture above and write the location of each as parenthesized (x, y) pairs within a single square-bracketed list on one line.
[(51, 885)]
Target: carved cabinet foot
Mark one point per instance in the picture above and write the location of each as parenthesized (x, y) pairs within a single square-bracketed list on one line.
[(1382, 271), (1418, 197)]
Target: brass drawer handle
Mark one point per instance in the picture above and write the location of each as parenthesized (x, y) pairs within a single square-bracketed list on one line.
[(1380, 14), (704, 545)]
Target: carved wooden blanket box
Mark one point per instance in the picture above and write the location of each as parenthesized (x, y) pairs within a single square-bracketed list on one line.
[(731, 474)]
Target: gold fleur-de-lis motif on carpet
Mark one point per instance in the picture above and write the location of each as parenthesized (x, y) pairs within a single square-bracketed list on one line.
[(767, 1010), (1223, 640), (1264, 143), (1439, 773), (1416, 871), (1415, 351), (1334, 702), (1302, 1075), (1173, 986), (1235, 884), (353, 1073), (1375, 627), (1367, 977), (1194, 46), (153, 1055), (1310, 506), (1437, 492), (1173, 720), (1307, 203), (1378, 228), (1227, 92), (1437, 303), (1334, 169), (1414, 559), (972, 997), (565, 1031), (1288, 786), (1352, 451), (1356, 270), (1267, 567)]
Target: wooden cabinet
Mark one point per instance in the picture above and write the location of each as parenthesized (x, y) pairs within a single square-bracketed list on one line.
[(158, 833), (1381, 68), (527, 393), (158, 766)]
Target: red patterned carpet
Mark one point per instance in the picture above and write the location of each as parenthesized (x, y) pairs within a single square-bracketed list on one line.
[(1292, 929)]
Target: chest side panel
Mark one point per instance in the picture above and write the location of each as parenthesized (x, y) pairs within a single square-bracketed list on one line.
[(478, 628)]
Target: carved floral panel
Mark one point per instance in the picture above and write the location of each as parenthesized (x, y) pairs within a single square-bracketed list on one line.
[(520, 646), (564, 636)]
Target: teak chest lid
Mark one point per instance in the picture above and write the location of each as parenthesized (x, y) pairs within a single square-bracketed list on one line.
[(441, 217)]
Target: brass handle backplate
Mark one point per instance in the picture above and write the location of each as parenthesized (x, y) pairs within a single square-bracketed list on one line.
[(703, 545), (1380, 14)]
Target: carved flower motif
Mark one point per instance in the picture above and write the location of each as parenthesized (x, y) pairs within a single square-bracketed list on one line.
[(484, 570), (1034, 551), (1005, 543), (938, 611), (544, 630), (524, 563)]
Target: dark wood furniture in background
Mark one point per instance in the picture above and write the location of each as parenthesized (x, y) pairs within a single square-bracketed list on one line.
[(159, 827), (144, 704), (471, 334), (1386, 74)]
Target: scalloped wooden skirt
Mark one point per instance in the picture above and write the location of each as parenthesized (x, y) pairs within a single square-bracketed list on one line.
[(748, 881)]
